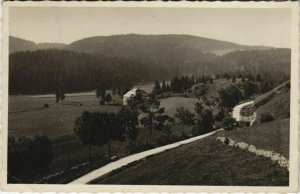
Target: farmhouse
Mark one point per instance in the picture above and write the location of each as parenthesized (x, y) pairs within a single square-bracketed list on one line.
[(131, 94)]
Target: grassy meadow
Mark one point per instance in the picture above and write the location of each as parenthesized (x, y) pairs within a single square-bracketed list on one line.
[(227, 166), (28, 117)]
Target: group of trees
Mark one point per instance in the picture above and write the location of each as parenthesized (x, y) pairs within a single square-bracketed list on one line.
[(264, 81), (184, 83), (28, 156), (202, 120), (100, 128), (153, 117), (160, 89), (229, 97)]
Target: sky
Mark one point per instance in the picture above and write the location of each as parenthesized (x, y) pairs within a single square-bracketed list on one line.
[(256, 26)]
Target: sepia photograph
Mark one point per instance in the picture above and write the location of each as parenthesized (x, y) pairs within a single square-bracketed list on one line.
[(143, 97)]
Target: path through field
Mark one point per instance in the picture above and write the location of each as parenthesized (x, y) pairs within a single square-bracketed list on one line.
[(132, 158)]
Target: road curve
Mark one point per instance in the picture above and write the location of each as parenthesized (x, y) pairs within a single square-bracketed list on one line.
[(242, 112), (132, 158)]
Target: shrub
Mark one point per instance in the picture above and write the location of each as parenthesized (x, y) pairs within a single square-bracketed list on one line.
[(266, 117), (229, 123), (102, 102)]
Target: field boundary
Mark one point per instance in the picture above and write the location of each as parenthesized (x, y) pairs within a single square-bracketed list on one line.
[(276, 157), (133, 158)]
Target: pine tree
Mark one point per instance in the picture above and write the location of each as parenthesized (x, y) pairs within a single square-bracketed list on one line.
[(157, 88), (164, 87), (168, 89)]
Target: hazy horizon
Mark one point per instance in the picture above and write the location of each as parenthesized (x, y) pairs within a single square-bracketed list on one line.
[(138, 34), (253, 27)]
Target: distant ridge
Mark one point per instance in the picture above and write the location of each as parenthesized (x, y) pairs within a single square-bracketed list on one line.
[(125, 45), (19, 45), (135, 45)]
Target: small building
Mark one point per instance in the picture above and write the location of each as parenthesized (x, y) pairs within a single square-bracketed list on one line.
[(131, 94)]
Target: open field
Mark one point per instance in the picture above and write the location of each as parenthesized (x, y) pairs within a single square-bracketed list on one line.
[(170, 104), (27, 117), (205, 162)]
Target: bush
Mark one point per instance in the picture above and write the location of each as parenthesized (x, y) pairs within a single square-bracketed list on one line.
[(28, 156), (102, 102), (266, 117), (229, 123)]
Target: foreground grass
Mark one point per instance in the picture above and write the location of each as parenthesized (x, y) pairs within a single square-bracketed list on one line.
[(205, 162)]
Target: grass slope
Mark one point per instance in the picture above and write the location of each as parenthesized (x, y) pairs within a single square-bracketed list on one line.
[(272, 136), (208, 162), (205, 162)]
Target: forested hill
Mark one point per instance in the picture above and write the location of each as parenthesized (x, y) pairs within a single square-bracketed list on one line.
[(19, 45), (154, 46), (34, 71), (138, 46)]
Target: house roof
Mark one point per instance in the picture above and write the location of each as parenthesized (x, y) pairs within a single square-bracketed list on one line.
[(131, 92)]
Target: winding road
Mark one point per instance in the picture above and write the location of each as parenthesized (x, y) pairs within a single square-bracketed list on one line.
[(242, 112)]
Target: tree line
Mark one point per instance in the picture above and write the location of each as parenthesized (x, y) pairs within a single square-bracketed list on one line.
[(38, 71), (179, 84)]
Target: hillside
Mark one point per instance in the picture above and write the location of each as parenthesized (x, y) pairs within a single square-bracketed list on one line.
[(138, 58), (276, 101), (272, 135), (138, 46), (157, 46), (191, 161), (204, 162), (19, 45)]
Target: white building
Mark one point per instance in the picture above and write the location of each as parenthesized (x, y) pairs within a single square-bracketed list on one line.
[(131, 94)]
